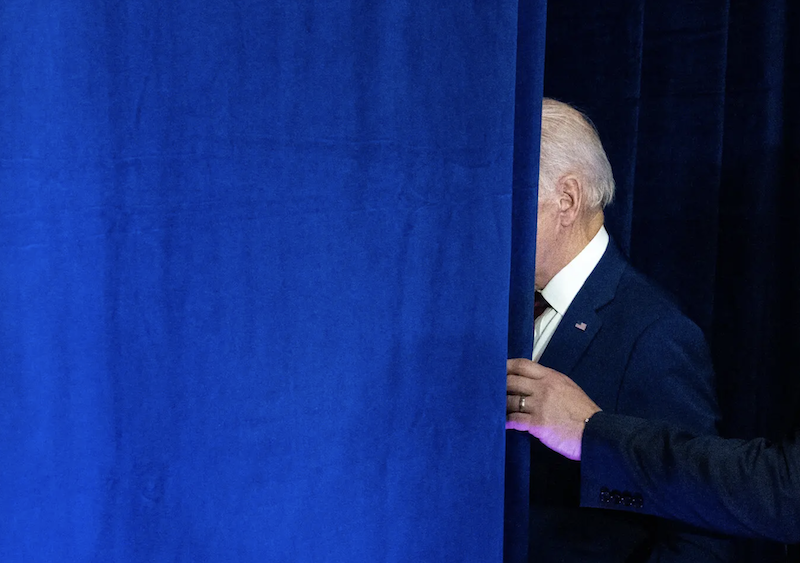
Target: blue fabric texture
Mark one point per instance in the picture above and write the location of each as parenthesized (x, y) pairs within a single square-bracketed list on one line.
[(254, 274), (527, 129)]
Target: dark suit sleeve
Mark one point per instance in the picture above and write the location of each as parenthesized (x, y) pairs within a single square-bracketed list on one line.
[(669, 377), (746, 488)]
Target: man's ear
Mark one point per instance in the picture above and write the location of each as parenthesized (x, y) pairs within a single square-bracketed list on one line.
[(570, 199)]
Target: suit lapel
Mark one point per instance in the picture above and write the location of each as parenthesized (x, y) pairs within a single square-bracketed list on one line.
[(581, 322)]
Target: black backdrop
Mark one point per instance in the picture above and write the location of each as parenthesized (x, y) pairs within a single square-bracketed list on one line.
[(697, 102)]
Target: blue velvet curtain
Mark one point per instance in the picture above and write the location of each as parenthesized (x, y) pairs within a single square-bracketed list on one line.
[(254, 274), (698, 104), (528, 120)]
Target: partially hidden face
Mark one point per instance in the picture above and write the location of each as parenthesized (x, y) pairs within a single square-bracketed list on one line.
[(547, 234)]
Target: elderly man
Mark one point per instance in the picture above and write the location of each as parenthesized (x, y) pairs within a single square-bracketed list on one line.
[(605, 326)]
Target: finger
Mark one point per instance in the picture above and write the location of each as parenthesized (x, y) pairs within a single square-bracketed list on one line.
[(519, 385), (518, 421), (515, 402), (512, 402), (517, 365), (513, 425), (526, 368)]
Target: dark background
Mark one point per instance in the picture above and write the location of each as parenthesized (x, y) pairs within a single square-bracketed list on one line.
[(698, 105)]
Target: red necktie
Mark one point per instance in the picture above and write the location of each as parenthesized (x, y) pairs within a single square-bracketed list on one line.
[(539, 305)]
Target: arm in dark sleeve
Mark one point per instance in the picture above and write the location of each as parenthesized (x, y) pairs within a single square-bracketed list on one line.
[(746, 488), (670, 377)]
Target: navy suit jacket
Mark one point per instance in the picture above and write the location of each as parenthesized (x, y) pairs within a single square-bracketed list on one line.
[(634, 353)]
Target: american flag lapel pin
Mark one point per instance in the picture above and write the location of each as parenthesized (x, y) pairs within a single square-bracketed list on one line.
[(581, 326)]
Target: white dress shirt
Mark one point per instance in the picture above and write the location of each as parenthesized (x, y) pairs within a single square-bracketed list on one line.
[(563, 288)]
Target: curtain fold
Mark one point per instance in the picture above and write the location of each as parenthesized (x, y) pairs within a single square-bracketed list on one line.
[(527, 131)]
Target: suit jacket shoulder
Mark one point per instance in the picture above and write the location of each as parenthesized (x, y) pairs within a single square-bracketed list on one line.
[(632, 349)]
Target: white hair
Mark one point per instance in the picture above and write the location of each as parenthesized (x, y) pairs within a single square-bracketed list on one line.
[(571, 145)]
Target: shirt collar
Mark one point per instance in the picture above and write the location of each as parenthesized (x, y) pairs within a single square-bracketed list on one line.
[(566, 284)]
